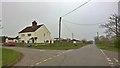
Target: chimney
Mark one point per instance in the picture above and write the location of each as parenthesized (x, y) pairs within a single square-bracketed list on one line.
[(34, 23)]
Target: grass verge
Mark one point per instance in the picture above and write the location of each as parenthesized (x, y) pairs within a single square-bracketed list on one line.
[(107, 46), (55, 46), (10, 57), (0, 57)]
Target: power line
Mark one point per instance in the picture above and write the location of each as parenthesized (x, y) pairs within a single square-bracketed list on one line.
[(75, 8), (69, 30), (81, 24), (66, 29), (54, 26)]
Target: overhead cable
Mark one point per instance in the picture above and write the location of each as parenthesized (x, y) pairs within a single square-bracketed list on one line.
[(80, 24), (76, 8)]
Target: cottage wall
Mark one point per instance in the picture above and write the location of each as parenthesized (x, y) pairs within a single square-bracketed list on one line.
[(42, 34), (24, 37)]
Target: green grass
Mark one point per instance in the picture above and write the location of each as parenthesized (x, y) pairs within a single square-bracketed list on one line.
[(55, 46), (0, 57), (107, 46), (9, 56)]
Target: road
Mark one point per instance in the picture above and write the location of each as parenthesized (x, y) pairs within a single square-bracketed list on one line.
[(0, 55), (88, 55), (112, 57)]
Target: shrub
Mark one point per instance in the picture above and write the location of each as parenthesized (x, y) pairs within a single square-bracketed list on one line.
[(117, 42)]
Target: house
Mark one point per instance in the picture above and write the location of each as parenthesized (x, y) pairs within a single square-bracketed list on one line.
[(67, 40), (35, 34), (11, 39), (8, 39)]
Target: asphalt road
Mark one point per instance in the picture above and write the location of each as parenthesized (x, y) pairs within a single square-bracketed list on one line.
[(0, 55), (112, 57), (88, 55)]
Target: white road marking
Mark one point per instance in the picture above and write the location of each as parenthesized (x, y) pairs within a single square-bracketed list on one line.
[(113, 66), (109, 59), (70, 50), (63, 52), (40, 62), (37, 63), (111, 63), (60, 53), (103, 53), (116, 60), (44, 60), (42, 50), (67, 51), (49, 58), (32, 65)]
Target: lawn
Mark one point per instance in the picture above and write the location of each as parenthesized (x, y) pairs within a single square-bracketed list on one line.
[(0, 57), (107, 46), (9, 57), (55, 46)]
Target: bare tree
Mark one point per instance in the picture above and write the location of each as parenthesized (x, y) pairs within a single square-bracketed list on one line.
[(113, 28), (113, 25)]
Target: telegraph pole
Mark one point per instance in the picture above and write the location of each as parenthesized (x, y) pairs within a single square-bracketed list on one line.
[(72, 36), (116, 22), (97, 35), (60, 28)]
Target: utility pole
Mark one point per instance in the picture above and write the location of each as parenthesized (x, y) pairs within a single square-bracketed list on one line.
[(1, 24), (72, 36), (116, 22), (97, 35), (60, 28)]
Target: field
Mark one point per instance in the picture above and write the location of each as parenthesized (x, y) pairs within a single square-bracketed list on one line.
[(107, 46), (0, 57), (9, 57)]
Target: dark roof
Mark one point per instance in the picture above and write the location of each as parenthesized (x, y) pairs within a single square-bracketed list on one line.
[(10, 38), (31, 28)]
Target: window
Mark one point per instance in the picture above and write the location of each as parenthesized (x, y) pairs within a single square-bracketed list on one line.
[(28, 41), (35, 38), (47, 41), (29, 34), (23, 41), (22, 34), (44, 34)]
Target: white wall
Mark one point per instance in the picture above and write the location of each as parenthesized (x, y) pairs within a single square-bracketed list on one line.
[(26, 37), (9, 40), (40, 34)]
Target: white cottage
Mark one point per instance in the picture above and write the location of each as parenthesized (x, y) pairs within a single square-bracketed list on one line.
[(35, 34)]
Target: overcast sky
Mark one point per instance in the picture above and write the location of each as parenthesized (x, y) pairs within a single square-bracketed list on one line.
[(18, 15)]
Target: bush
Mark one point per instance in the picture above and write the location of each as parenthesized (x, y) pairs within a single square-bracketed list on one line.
[(117, 43)]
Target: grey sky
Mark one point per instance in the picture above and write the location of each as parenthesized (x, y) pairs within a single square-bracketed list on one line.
[(0, 17), (18, 15)]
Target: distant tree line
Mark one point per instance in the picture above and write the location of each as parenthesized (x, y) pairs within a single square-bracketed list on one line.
[(2, 39)]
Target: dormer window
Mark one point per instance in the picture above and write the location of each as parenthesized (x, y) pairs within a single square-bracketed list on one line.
[(29, 34), (22, 35)]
